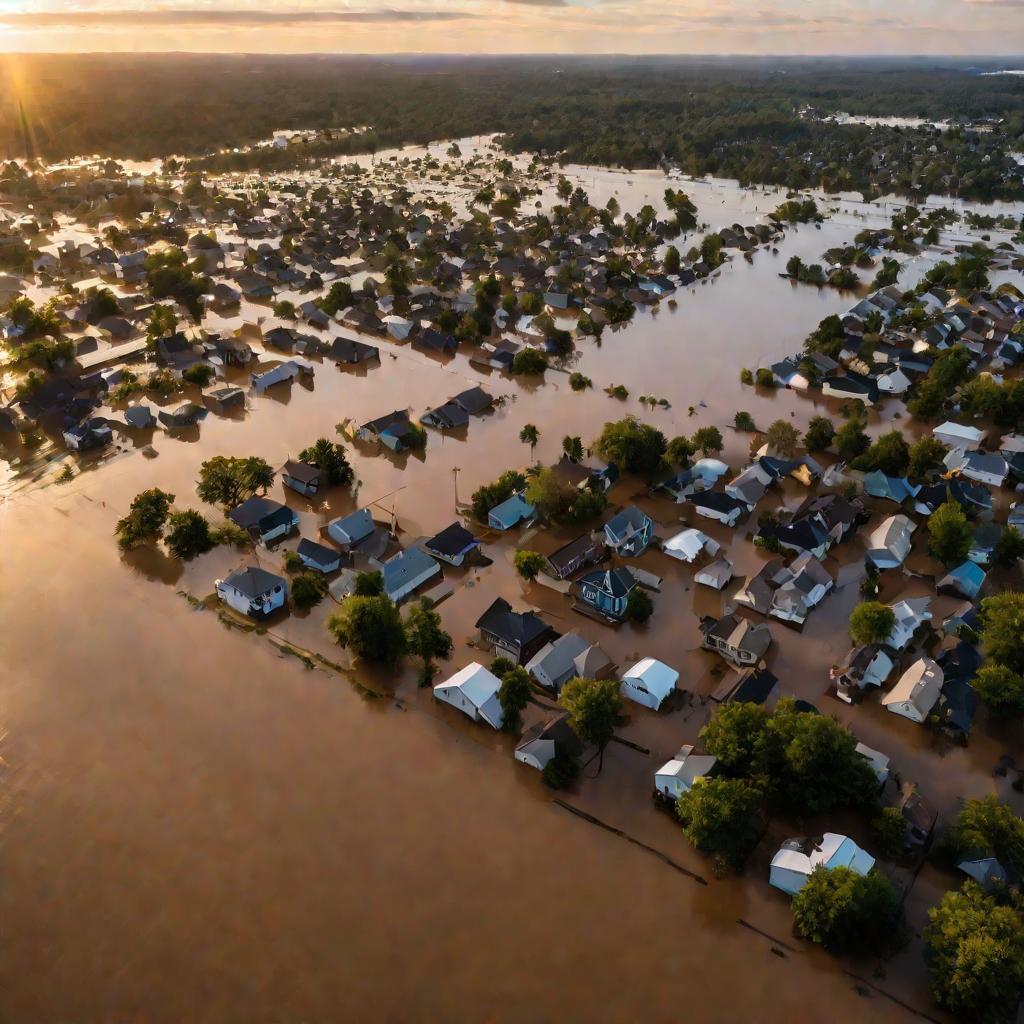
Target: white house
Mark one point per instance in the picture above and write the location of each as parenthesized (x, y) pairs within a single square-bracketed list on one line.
[(984, 467), (889, 544), (797, 858), (351, 529), (893, 382), (253, 591), (474, 691), (917, 691), (677, 776), (957, 435), (543, 742), (689, 544), (910, 614), (649, 682), (716, 575)]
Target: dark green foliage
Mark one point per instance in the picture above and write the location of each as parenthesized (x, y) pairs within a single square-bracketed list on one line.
[(199, 373), (529, 361), (188, 534), (633, 446), (819, 435), (228, 481), (847, 912), (890, 453), (1002, 632), (308, 589), (871, 622), (947, 373), (595, 707), (425, 637), (145, 520), (330, 458), (639, 606), (888, 831), (370, 627), (720, 818), (514, 695), (850, 439), (487, 497), (1001, 689), (949, 534)]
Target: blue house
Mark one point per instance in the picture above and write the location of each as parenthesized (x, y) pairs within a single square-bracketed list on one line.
[(629, 532), (607, 591), (892, 488), (509, 513)]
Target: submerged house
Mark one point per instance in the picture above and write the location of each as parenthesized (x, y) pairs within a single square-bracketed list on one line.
[(519, 635), (265, 519), (889, 544), (318, 557), (735, 639), (545, 741), (629, 532), (867, 665), (511, 512), (607, 591), (797, 858), (676, 777), (452, 545), (917, 691), (253, 591), (350, 530), (406, 572), (649, 682), (302, 477), (393, 430), (578, 554), (567, 657), (474, 691)]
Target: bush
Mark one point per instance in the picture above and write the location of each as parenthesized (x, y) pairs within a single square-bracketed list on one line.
[(765, 378), (820, 433), (529, 361), (871, 622), (560, 771), (528, 564), (639, 606), (579, 382), (847, 912), (744, 421), (189, 534), (308, 589), (888, 830), (746, 376), (633, 446), (199, 373), (292, 562), (720, 817), (1001, 689), (950, 534)]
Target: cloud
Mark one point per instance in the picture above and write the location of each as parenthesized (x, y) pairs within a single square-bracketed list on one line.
[(230, 17), (539, 3)]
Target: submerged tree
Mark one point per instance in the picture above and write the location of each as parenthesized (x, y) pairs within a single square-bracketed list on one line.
[(146, 519), (228, 481), (595, 707)]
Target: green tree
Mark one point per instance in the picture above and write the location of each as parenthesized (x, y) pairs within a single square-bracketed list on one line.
[(550, 494), (720, 817), (529, 361), (949, 533), (871, 622), (573, 448), (330, 459), (890, 454), (744, 421), (820, 433), (199, 374), (530, 435), (595, 707), (783, 438), (679, 451), (228, 481), (1001, 689), (672, 263), (889, 830), (528, 564), (188, 534), (369, 626), (975, 952), (146, 519), (925, 455), (1002, 633), (708, 440), (850, 439), (989, 826), (369, 584), (734, 735), (425, 638), (1009, 548), (162, 324), (633, 446), (513, 696), (847, 912), (308, 589), (639, 606)]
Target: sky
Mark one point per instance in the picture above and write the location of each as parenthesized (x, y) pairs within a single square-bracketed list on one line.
[(956, 27)]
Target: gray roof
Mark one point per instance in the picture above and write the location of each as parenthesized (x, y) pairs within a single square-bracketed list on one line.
[(253, 581)]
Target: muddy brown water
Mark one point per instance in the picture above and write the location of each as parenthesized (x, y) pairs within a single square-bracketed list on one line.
[(198, 827)]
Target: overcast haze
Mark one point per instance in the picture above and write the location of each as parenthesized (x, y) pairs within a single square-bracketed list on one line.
[(963, 27)]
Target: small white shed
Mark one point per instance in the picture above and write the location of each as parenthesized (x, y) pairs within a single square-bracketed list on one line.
[(474, 691), (649, 682)]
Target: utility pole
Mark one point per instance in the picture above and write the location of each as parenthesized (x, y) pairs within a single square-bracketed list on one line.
[(455, 479)]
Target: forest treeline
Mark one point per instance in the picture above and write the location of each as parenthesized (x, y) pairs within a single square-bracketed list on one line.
[(743, 118)]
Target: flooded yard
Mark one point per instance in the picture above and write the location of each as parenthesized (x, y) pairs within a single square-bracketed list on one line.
[(198, 826)]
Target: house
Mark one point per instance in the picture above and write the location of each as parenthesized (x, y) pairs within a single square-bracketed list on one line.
[(509, 513), (545, 741), (303, 477), (797, 858), (474, 401), (689, 544), (867, 665), (263, 518), (432, 340), (94, 433), (353, 529), (224, 400), (188, 414), (406, 572), (253, 591), (722, 508), (889, 544), (987, 870), (474, 691), (806, 587), (567, 657), (890, 488), (445, 417), (984, 467), (851, 386), (879, 762), (957, 435), (735, 639), (584, 551), (956, 705), (910, 614), (649, 682), (139, 416), (676, 777), (629, 532), (964, 581), (349, 352), (916, 692), (717, 575), (751, 485), (318, 556), (392, 431), (452, 545), (607, 591), (519, 635), (279, 374), (756, 591), (754, 686)]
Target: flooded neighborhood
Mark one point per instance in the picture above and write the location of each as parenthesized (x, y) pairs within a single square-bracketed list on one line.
[(452, 577)]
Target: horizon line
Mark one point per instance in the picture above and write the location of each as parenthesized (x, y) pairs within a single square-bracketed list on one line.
[(551, 54)]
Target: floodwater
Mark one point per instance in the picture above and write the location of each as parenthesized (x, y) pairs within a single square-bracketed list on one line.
[(198, 827)]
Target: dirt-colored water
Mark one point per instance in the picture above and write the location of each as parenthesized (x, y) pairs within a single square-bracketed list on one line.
[(197, 827)]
